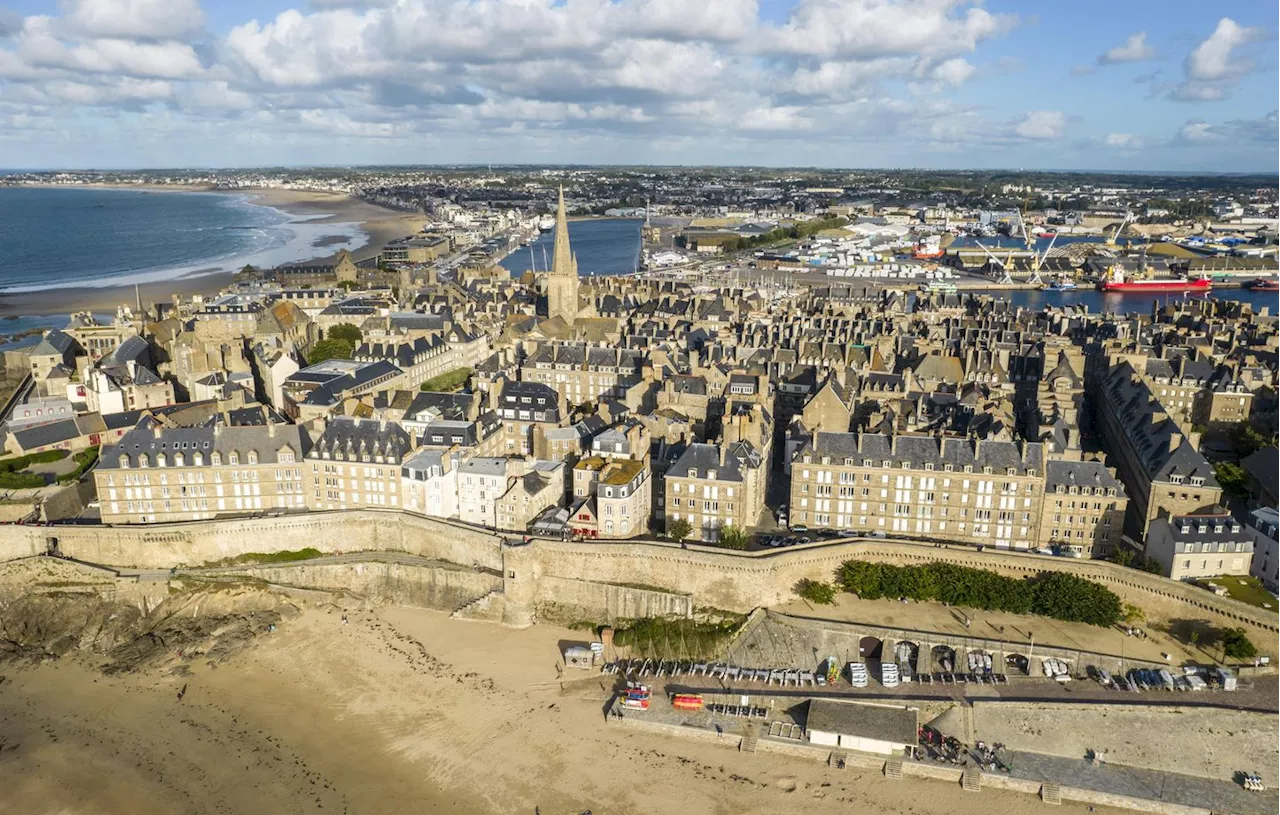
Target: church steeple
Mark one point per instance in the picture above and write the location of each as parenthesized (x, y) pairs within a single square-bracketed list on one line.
[(562, 281), (562, 260)]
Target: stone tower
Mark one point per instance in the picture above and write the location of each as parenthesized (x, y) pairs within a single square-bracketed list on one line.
[(562, 280)]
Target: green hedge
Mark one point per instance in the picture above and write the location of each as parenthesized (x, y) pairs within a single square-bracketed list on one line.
[(12, 465), (84, 460), (447, 381), (1050, 594)]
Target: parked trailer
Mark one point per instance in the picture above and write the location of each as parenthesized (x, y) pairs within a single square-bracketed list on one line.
[(687, 701)]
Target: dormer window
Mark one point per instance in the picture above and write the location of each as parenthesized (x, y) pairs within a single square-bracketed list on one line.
[(711, 474), (215, 459), (143, 461), (197, 458), (886, 464), (986, 471), (1197, 481), (179, 460), (1177, 479), (1186, 529), (946, 468), (693, 473), (160, 459), (124, 462), (1031, 473), (1217, 529), (929, 466), (866, 462), (968, 468), (233, 458), (1202, 528), (253, 456)]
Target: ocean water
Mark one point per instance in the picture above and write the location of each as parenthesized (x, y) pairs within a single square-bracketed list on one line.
[(1131, 302), (87, 237), (602, 246)]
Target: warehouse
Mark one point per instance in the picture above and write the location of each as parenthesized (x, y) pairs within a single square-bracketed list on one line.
[(882, 729)]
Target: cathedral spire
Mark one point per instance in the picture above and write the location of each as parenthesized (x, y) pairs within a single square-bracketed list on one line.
[(562, 260)]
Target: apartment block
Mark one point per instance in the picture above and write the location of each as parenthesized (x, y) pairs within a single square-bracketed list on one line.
[(355, 464), (159, 474), (971, 491), (1084, 506)]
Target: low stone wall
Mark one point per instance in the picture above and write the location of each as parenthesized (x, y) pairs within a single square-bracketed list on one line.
[(568, 601), (161, 546), (446, 589)]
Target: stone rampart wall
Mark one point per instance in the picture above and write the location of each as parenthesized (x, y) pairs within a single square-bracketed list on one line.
[(568, 601)]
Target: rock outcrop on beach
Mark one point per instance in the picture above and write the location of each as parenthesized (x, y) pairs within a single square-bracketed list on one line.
[(51, 609)]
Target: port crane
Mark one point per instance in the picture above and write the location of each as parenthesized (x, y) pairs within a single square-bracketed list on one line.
[(1005, 265), (1111, 241)]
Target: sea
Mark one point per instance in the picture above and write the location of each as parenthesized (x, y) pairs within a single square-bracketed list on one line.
[(603, 246), (66, 237)]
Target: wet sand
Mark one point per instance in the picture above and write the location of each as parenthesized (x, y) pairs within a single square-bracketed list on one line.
[(381, 224), (401, 711)]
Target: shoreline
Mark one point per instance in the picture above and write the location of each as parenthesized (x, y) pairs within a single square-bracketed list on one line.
[(379, 225)]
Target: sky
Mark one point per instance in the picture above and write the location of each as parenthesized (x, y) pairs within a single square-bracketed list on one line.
[(1140, 85)]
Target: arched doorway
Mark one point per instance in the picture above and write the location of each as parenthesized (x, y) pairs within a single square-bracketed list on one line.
[(1017, 664), (870, 649), (944, 658), (906, 652)]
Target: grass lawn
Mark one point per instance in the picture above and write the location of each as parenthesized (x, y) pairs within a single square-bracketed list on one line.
[(1248, 590)]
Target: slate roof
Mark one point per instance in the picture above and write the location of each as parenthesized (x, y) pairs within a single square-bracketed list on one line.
[(890, 724), (1080, 474), (350, 439), (918, 451), (152, 440)]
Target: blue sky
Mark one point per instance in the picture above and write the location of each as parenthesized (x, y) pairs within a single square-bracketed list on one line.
[(1129, 85)]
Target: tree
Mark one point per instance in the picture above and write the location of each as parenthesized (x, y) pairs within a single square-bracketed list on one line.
[(679, 529), (1132, 614), (1246, 439), (1067, 597), (330, 349), (1122, 555), (345, 331), (732, 537), (1232, 478), (1236, 644), (818, 593)]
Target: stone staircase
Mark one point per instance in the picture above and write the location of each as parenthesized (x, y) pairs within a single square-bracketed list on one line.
[(485, 607), (893, 768), (971, 780), (1051, 792), (750, 735)]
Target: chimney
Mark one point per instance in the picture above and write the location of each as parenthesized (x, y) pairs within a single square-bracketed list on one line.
[(1175, 441), (158, 431)]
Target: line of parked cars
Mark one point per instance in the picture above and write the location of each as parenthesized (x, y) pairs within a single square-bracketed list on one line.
[(1189, 678)]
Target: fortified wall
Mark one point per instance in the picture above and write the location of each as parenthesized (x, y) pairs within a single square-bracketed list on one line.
[(601, 581)]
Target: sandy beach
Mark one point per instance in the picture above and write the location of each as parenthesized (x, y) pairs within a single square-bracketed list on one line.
[(399, 711), (381, 225)]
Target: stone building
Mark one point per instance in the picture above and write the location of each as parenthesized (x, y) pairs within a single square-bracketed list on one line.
[(159, 474), (714, 486), (971, 491), (1201, 545), (1162, 471), (1084, 506), (355, 464)]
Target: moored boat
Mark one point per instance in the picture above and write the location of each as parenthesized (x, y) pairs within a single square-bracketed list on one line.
[(1116, 281), (1263, 284)]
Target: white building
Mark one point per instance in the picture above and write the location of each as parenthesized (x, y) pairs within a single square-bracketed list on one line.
[(429, 483), (1264, 523), (481, 482), (881, 729)]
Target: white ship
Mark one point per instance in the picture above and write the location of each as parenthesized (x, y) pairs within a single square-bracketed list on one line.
[(546, 223)]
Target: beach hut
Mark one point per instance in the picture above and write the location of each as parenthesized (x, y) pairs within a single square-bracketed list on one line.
[(881, 729), (579, 656)]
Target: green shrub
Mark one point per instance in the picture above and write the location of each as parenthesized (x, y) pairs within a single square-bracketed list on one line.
[(732, 538), (84, 460), (816, 592), (1237, 645), (1051, 594), (447, 381)]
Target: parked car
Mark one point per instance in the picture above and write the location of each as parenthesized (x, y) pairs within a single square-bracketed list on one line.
[(799, 529)]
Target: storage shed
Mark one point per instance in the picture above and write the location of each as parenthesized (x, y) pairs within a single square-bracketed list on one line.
[(882, 729)]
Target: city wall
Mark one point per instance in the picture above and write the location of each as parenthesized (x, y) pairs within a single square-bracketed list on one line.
[(442, 588), (561, 577)]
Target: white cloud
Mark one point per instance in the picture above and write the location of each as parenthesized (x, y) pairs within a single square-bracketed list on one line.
[(1199, 132), (1042, 124), (1212, 70), (953, 72), (1134, 49), (1122, 141), (135, 19), (844, 29), (1211, 60)]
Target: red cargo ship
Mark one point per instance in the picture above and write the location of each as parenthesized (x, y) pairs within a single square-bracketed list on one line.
[(1115, 282)]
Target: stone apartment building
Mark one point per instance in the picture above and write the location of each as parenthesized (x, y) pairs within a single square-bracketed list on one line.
[(584, 373), (1084, 507), (530, 493), (1200, 545), (714, 486), (482, 481), (1162, 471), (159, 474), (524, 406), (612, 497), (971, 491), (355, 464)]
